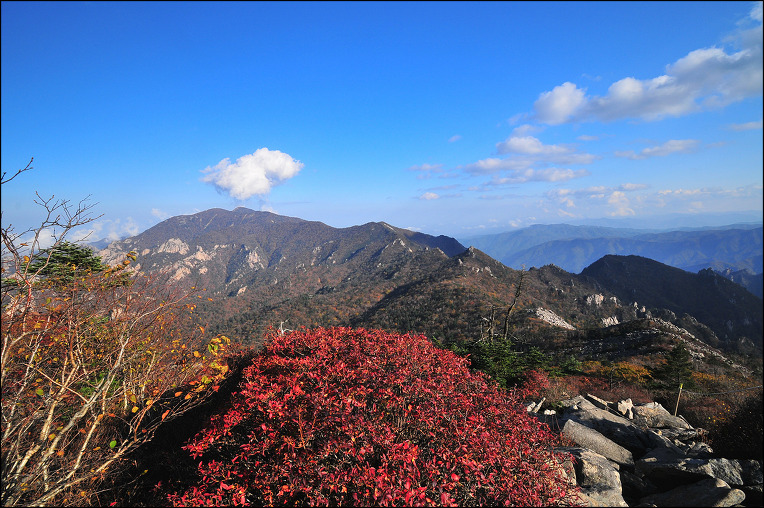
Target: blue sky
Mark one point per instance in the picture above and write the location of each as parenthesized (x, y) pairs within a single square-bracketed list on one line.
[(447, 118)]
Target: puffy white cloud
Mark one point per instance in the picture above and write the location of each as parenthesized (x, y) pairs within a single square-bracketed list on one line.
[(252, 174), (428, 196), (669, 147), (560, 104), (704, 79)]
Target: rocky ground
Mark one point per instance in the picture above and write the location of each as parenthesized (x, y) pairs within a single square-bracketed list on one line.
[(642, 455)]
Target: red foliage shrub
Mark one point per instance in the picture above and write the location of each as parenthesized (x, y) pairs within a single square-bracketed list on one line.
[(534, 384), (349, 416)]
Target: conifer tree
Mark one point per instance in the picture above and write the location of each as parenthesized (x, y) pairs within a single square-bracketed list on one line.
[(677, 370), (62, 262)]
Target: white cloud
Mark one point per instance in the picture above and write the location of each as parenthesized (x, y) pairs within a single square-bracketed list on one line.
[(632, 186), (530, 146), (426, 167), (253, 174), (494, 165), (616, 198), (108, 229), (669, 147), (454, 138), (159, 214), (428, 196), (747, 126), (756, 12), (525, 129), (560, 104), (585, 137), (429, 170), (535, 152), (704, 79), (620, 203), (540, 175)]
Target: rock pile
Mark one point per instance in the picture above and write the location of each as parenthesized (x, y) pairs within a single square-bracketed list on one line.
[(641, 455)]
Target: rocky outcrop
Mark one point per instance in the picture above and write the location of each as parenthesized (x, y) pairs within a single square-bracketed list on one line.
[(641, 455)]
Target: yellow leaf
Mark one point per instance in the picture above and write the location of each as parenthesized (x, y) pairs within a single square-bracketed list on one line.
[(196, 354), (135, 409), (132, 399), (51, 436), (188, 396), (26, 259)]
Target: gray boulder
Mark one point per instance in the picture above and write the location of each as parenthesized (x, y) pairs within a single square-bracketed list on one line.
[(708, 492), (590, 438), (656, 459), (654, 415), (598, 479), (736, 472), (615, 427)]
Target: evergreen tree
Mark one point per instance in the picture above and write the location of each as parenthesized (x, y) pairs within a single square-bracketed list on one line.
[(677, 370), (66, 260)]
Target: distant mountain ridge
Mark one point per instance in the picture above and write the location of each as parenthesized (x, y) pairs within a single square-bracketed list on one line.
[(732, 312), (264, 270), (734, 247)]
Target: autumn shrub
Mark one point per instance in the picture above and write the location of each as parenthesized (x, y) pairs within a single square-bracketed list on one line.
[(89, 371), (535, 383), (346, 416), (93, 360)]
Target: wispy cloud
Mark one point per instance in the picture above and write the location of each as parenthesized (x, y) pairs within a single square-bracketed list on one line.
[(428, 196), (427, 168), (540, 175), (252, 175), (159, 214), (537, 152), (669, 147), (704, 79), (426, 171), (747, 126), (528, 159), (631, 199), (454, 138), (617, 201)]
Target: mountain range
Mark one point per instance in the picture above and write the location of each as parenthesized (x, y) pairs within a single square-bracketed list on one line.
[(264, 270), (730, 248)]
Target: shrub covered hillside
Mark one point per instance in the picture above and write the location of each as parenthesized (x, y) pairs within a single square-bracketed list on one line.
[(350, 416)]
